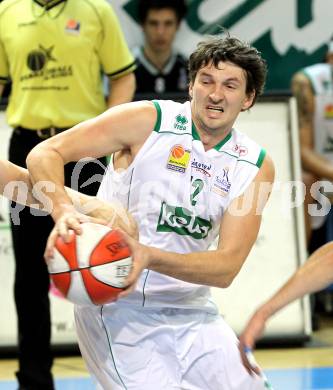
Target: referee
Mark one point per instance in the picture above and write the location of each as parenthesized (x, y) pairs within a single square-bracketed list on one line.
[(53, 51)]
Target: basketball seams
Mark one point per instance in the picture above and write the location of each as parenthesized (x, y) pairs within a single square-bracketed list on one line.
[(87, 267), (91, 268), (106, 284)]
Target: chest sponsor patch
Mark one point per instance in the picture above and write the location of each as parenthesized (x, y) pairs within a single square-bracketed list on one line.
[(178, 159), (221, 185), (182, 222), (202, 167)]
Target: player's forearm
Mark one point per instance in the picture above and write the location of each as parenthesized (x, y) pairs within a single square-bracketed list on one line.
[(15, 183), (121, 90), (212, 268), (314, 275), (316, 164), (46, 165), (114, 214)]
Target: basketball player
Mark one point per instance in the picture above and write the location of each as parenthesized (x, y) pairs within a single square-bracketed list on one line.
[(313, 88), (316, 274), (95, 210), (183, 173)]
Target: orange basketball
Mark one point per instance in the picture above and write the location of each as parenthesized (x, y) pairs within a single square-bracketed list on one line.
[(177, 152), (92, 267)]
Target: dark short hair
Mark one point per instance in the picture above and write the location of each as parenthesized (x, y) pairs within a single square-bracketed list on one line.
[(216, 48), (144, 6)]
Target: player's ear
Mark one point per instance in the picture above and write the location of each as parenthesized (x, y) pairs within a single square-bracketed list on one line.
[(247, 103)]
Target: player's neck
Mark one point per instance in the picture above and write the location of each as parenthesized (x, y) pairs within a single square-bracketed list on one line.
[(158, 59), (209, 137)]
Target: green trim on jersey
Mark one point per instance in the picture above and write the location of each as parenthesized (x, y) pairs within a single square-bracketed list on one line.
[(261, 158), (259, 162), (159, 116), (229, 154), (195, 133), (224, 141), (218, 146)]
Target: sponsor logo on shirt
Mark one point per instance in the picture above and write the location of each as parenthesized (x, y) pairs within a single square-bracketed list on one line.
[(221, 185), (180, 122), (182, 221), (178, 159), (201, 167), (72, 26), (42, 64), (240, 150), (39, 58)]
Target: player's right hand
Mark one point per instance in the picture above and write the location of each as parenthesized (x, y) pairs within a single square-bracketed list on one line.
[(252, 332), (141, 257)]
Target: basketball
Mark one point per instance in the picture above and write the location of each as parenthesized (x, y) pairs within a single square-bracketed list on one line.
[(92, 267)]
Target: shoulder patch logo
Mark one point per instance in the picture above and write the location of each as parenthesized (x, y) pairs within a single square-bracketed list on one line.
[(240, 150), (180, 122)]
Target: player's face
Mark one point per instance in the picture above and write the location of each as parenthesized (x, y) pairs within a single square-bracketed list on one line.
[(160, 29), (218, 95)]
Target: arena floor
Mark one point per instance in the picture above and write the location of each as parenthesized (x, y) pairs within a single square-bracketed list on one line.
[(306, 368)]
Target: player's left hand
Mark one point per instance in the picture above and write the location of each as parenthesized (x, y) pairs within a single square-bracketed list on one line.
[(252, 332), (140, 260)]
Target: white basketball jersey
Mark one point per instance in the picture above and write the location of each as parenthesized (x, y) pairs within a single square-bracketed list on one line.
[(178, 193), (320, 76)]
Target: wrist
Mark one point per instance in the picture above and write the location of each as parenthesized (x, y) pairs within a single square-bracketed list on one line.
[(60, 209), (153, 255)]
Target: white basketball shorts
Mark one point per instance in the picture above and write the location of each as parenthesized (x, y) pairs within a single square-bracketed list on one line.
[(136, 348)]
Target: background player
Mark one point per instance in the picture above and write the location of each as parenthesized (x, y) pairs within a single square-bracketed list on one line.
[(313, 88), (160, 69)]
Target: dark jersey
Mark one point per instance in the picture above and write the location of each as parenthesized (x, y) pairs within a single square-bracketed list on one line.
[(172, 78)]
